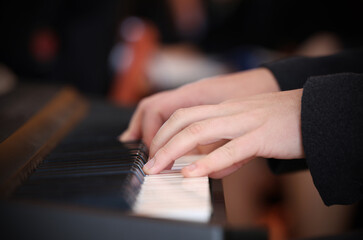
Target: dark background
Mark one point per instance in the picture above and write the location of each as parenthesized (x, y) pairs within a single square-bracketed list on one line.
[(77, 35)]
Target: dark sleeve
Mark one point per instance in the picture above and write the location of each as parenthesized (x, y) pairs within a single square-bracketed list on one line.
[(338, 175), (292, 73), (332, 130)]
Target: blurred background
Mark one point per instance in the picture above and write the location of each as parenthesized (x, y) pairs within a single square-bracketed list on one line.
[(124, 50), (161, 44)]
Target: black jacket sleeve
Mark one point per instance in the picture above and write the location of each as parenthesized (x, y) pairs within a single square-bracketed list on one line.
[(292, 73), (332, 118), (332, 130)]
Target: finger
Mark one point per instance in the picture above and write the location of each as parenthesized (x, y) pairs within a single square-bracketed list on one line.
[(239, 150), (169, 166), (179, 120), (205, 149), (151, 123), (133, 132), (186, 116), (229, 170), (199, 133), (225, 172)]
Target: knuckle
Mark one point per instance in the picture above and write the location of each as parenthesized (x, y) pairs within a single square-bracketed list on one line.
[(144, 103), (178, 115), (195, 129)]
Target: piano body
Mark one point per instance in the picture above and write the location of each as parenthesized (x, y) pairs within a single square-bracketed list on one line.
[(64, 175)]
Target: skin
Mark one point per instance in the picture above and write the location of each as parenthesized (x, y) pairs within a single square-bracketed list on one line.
[(153, 111), (224, 111)]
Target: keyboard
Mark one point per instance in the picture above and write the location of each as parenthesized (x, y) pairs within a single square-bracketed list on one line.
[(64, 175)]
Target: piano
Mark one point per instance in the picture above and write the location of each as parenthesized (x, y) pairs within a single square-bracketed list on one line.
[(64, 175)]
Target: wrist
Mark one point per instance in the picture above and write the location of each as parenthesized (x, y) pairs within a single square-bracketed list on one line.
[(268, 80)]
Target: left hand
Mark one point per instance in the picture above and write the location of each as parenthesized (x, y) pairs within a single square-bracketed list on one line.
[(265, 125)]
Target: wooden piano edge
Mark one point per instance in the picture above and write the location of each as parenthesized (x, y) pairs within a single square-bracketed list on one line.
[(26, 147)]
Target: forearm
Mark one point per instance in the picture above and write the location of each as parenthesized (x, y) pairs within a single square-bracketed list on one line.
[(292, 73)]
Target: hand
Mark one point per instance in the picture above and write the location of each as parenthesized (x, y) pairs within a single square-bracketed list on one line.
[(153, 111), (266, 125)]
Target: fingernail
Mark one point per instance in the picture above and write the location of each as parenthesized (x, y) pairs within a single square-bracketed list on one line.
[(149, 165)]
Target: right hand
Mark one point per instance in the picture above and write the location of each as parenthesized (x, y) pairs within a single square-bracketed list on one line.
[(153, 111), (265, 125)]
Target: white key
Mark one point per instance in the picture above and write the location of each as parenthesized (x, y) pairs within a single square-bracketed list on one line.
[(170, 195)]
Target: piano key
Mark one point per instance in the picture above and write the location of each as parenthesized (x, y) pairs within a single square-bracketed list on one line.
[(170, 195), (94, 133), (77, 176)]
